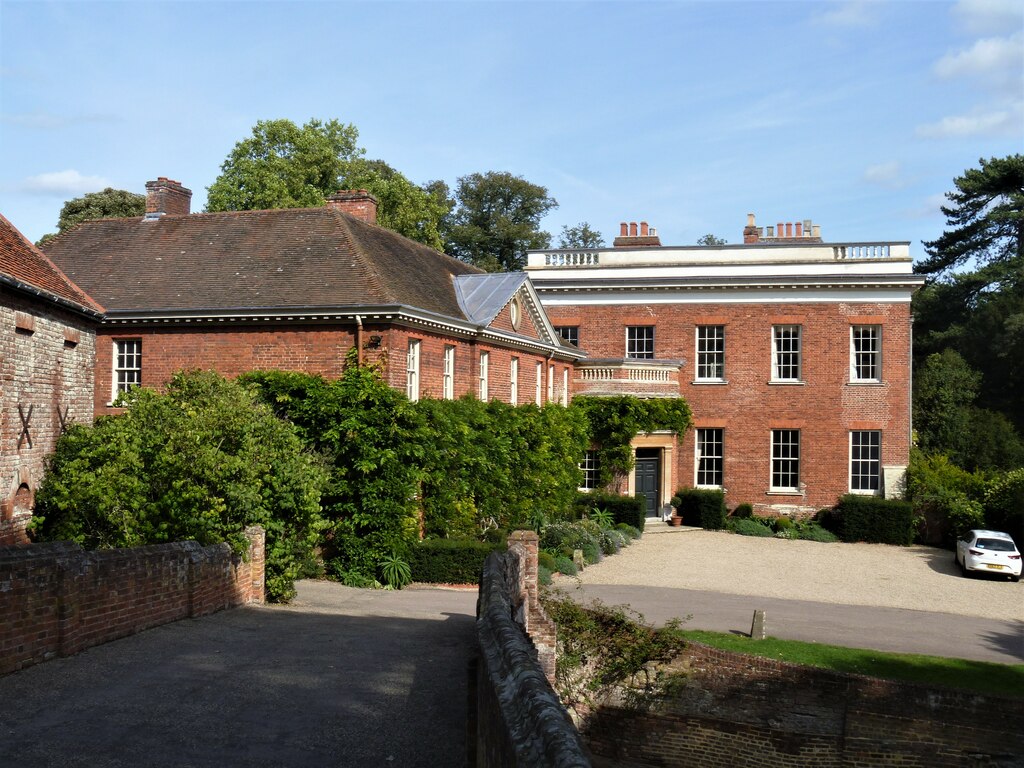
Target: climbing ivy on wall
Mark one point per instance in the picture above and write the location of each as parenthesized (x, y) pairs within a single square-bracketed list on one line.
[(615, 421)]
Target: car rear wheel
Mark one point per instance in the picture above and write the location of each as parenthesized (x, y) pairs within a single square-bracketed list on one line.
[(963, 570), (1015, 579)]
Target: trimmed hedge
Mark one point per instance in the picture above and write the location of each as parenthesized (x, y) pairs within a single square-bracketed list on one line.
[(875, 520), (631, 510), (450, 561), (701, 506)]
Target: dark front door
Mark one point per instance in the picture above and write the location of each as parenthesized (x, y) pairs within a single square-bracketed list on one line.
[(648, 478)]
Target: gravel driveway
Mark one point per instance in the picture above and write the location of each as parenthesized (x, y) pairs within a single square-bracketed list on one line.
[(917, 578)]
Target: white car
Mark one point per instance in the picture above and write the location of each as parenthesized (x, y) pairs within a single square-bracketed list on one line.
[(988, 552)]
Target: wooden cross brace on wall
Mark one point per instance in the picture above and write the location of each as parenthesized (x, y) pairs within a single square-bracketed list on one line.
[(62, 417), (26, 419)]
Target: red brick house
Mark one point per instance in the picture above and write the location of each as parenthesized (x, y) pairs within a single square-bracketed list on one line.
[(47, 350), (296, 289), (793, 354)]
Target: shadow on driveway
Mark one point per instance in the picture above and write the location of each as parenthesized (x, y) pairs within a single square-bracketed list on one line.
[(257, 685)]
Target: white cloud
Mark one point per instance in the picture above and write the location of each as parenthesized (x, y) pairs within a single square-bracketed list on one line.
[(996, 60), (930, 207), (852, 13), (986, 17), (1005, 120), (69, 182), (888, 175)]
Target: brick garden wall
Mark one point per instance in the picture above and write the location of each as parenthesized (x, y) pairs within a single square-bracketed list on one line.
[(46, 378), (57, 600), (825, 407), (738, 710), (520, 721)]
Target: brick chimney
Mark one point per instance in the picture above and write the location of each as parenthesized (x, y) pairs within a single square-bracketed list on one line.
[(166, 197), (784, 232), (629, 237), (355, 202)]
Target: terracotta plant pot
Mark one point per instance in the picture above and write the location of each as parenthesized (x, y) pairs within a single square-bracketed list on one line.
[(675, 520)]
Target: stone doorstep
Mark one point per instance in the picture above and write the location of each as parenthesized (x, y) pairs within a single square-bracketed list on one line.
[(657, 525)]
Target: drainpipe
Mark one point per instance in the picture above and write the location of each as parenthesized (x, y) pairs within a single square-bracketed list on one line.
[(359, 340)]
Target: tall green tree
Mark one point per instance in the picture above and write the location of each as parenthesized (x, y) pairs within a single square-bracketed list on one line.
[(497, 220), (580, 236), (284, 166), (974, 300), (110, 203), (984, 220), (710, 239)]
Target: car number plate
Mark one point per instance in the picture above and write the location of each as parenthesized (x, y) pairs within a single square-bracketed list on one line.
[(995, 567)]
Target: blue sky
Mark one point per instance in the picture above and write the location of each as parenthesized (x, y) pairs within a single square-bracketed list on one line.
[(688, 115)]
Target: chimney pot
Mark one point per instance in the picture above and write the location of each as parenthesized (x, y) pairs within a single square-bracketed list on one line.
[(816, 231), (632, 229), (771, 232), (789, 229), (643, 229), (799, 229), (166, 197), (623, 229), (355, 202), (750, 220)]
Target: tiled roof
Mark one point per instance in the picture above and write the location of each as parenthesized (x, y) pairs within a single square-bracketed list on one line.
[(23, 263), (253, 260)]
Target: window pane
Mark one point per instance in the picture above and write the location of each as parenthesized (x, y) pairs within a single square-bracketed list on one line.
[(865, 461), (786, 343), (128, 366), (709, 457), (640, 341), (710, 352), (866, 349), (785, 458), (590, 470), (570, 333)]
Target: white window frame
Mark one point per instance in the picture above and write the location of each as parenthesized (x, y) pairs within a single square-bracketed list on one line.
[(485, 364), (710, 352), (412, 370), (513, 377), (590, 468), (866, 471), (540, 384), (571, 333), (866, 353), (709, 447), (639, 342), (787, 352), (448, 374), (565, 387), (785, 464), (127, 368)]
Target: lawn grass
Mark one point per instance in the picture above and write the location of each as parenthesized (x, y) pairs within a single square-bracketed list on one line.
[(978, 676)]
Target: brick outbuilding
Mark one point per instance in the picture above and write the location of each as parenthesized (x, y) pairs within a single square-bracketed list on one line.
[(296, 289), (47, 352)]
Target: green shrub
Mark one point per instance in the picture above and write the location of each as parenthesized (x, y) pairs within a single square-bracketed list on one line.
[(875, 520), (1004, 505), (945, 497), (453, 561), (813, 532), (544, 575), (545, 560), (782, 524), (603, 517), (629, 530), (701, 506), (202, 462), (749, 526), (565, 565), (612, 541), (743, 510), (631, 510), (591, 552), (395, 571), (564, 538)]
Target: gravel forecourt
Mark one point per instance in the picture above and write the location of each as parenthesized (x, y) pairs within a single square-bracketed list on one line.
[(917, 577)]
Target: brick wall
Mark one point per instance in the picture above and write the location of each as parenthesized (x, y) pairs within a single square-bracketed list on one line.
[(824, 408), (46, 377), (737, 710), (520, 721), (57, 599)]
